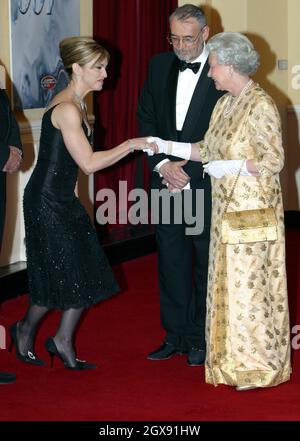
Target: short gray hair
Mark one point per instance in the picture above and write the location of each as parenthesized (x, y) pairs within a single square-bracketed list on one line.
[(187, 11), (233, 48)]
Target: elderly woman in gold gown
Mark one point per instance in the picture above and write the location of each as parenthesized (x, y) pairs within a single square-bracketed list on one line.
[(247, 323)]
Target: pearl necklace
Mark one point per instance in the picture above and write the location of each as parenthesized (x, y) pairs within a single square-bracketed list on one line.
[(233, 101)]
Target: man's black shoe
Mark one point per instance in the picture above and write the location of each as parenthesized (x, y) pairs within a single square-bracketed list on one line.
[(196, 357), (165, 351), (6, 378)]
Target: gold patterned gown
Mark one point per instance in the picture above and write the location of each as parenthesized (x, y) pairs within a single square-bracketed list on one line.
[(247, 329)]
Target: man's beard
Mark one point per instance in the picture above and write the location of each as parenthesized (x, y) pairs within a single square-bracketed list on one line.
[(182, 55), (188, 56)]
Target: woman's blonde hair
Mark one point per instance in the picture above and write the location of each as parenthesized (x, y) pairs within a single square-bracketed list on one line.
[(80, 50)]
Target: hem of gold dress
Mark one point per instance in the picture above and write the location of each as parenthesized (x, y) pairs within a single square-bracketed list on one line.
[(256, 378)]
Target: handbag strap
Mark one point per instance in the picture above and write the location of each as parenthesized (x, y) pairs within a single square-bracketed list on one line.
[(234, 185), (233, 188)]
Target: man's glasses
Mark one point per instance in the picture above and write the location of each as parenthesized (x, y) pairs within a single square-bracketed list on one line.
[(186, 41)]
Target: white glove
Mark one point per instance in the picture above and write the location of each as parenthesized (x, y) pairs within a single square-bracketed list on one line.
[(220, 168), (161, 144), (149, 152), (180, 149)]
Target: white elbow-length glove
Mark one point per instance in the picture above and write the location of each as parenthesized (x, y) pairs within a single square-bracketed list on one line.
[(220, 168), (180, 149)]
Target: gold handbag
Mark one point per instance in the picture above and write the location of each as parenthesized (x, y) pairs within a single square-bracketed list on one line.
[(248, 225)]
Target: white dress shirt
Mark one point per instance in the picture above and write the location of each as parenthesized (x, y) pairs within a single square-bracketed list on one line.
[(187, 81)]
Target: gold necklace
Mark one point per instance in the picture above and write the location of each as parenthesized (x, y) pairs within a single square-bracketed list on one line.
[(233, 102), (79, 101), (83, 107)]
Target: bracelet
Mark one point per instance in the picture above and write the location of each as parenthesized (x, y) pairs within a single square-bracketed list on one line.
[(130, 146)]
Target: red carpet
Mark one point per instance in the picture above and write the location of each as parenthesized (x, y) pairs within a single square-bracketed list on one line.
[(117, 335)]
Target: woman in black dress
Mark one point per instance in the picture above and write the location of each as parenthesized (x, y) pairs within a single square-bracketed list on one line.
[(67, 269)]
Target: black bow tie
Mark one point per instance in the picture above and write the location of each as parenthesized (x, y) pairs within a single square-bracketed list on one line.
[(184, 65)]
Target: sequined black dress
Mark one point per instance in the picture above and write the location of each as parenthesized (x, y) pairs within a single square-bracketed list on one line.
[(66, 265)]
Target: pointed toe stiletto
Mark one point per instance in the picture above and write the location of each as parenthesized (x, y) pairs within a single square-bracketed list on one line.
[(80, 365), (29, 357)]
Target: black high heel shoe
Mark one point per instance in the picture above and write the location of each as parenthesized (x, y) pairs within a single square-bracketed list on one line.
[(81, 365), (30, 356)]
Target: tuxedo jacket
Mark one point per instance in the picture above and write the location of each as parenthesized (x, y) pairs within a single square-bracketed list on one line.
[(157, 110), (9, 136)]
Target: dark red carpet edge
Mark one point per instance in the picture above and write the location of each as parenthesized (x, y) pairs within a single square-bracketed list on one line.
[(117, 335)]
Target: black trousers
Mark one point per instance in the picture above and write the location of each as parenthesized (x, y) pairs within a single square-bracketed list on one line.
[(182, 270)]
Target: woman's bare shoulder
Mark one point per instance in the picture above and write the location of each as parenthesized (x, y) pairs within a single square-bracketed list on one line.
[(65, 113)]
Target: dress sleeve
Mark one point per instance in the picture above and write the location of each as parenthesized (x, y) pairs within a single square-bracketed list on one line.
[(204, 146), (265, 137), (203, 149)]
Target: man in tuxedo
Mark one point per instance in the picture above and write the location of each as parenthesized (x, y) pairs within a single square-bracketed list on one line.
[(176, 104), (10, 161)]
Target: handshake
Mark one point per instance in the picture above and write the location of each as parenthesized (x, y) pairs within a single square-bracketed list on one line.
[(188, 151), (154, 147), (158, 145)]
